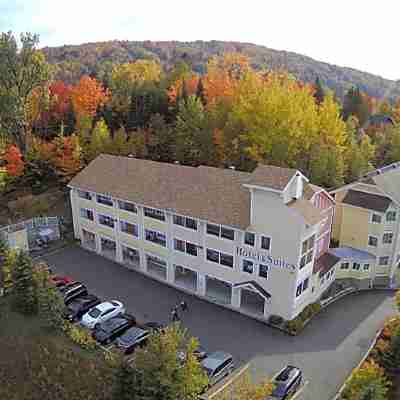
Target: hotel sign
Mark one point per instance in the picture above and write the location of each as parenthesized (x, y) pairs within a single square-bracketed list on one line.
[(263, 258)]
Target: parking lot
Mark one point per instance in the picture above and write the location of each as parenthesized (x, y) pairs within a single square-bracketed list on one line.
[(328, 349)]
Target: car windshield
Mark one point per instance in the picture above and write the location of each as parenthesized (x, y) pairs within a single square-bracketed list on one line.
[(94, 313)]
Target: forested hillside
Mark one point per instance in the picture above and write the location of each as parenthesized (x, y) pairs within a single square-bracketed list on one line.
[(96, 59)]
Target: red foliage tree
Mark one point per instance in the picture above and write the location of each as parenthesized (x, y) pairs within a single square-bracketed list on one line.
[(15, 164)]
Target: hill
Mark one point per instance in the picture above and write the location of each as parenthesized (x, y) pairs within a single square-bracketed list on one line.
[(98, 58)]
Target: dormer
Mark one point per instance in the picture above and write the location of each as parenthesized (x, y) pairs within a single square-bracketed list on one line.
[(294, 188)]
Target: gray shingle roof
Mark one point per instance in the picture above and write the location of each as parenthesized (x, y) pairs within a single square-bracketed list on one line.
[(367, 200), (272, 177)]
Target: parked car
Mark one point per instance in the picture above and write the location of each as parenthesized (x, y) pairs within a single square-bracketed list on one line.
[(80, 306), (133, 338), (102, 312), (286, 383), (63, 288), (109, 330), (218, 365), (74, 291), (59, 281)]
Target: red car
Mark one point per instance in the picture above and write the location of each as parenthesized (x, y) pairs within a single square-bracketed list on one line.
[(61, 280)]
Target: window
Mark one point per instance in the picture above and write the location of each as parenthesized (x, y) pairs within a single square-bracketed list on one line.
[(366, 267), (263, 271), (376, 219), (107, 201), (185, 222), (153, 213), (248, 266), (130, 255), (356, 266), (307, 251), (213, 229), (227, 233), (213, 256), (130, 229), (344, 265), (179, 245), (127, 206), (221, 258), (226, 259), (391, 216), (185, 247), (191, 249), (191, 224), (249, 238), (303, 286), (220, 231), (387, 238), (156, 237), (265, 242), (87, 214), (372, 241), (106, 220), (384, 260), (84, 195)]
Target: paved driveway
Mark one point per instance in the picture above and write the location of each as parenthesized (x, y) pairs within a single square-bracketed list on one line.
[(327, 350)]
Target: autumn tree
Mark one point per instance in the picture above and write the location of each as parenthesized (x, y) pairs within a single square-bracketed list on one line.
[(67, 158), (162, 140), (119, 143), (159, 374), (15, 164), (87, 96), (100, 141), (356, 104), (22, 70), (319, 93)]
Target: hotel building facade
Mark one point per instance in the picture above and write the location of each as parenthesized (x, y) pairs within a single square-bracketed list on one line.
[(254, 242)]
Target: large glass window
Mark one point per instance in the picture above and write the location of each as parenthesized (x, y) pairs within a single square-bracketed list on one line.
[(130, 229), (189, 223), (105, 200), (106, 220), (153, 213), (220, 231), (384, 260), (249, 238), (87, 214), (127, 206), (156, 237), (387, 238), (221, 258), (130, 255)]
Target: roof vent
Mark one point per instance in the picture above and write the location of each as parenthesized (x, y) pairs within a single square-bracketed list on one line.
[(232, 167)]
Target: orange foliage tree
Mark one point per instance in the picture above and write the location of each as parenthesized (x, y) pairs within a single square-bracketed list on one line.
[(87, 96), (15, 164), (67, 156), (60, 98), (191, 84)]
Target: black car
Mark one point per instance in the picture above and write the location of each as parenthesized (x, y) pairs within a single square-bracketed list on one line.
[(107, 331), (79, 306), (74, 291), (286, 383), (134, 337)]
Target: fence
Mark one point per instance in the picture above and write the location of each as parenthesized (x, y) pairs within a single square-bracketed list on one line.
[(33, 227)]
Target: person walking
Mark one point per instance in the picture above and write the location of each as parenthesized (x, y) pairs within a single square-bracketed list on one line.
[(175, 315), (184, 306)]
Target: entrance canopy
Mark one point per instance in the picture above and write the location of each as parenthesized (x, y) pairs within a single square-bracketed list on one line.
[(255, 286)]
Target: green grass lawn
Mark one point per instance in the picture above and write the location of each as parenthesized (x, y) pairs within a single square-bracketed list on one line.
[(36, 363)]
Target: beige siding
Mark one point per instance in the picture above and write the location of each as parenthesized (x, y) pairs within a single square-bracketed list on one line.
[(355, 227), (337, 221)]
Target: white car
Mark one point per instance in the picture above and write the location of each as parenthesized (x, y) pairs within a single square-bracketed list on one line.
[(102, 312)]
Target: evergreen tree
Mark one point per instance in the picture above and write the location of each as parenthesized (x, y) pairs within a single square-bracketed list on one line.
[(24, 291), (119, 144), (162, 141), (319, 93), (125, 387), (354, 104), (100, 141), (8, 271)]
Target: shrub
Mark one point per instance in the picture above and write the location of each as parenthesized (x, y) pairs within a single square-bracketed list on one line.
[(391, 326), (275, 320), (8, 271), (390, 359), (294, 326), (368, 381), (397, 300), (80, 336)]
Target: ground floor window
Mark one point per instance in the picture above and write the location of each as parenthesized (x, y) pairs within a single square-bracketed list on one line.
[(185, 277), (130, 256), (108, 247), (156, 266), (88, 239)]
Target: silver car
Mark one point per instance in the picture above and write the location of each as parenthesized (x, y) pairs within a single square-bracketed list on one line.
[(218, 365)]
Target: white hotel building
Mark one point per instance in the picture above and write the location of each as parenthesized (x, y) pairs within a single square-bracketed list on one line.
[(254, 242)]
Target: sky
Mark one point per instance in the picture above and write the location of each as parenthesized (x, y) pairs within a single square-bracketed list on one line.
[(353, 33)]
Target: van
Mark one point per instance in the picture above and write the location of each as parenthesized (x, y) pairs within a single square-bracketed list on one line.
[(286, 383)]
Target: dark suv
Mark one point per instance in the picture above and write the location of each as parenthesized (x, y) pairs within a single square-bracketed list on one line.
[(79, 306), (72, 291), (286, 383)]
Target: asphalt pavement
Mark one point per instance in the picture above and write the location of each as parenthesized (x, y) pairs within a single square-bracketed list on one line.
[(327, 350)]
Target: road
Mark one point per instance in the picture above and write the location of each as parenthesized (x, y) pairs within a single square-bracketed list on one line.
[(327, 350)]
